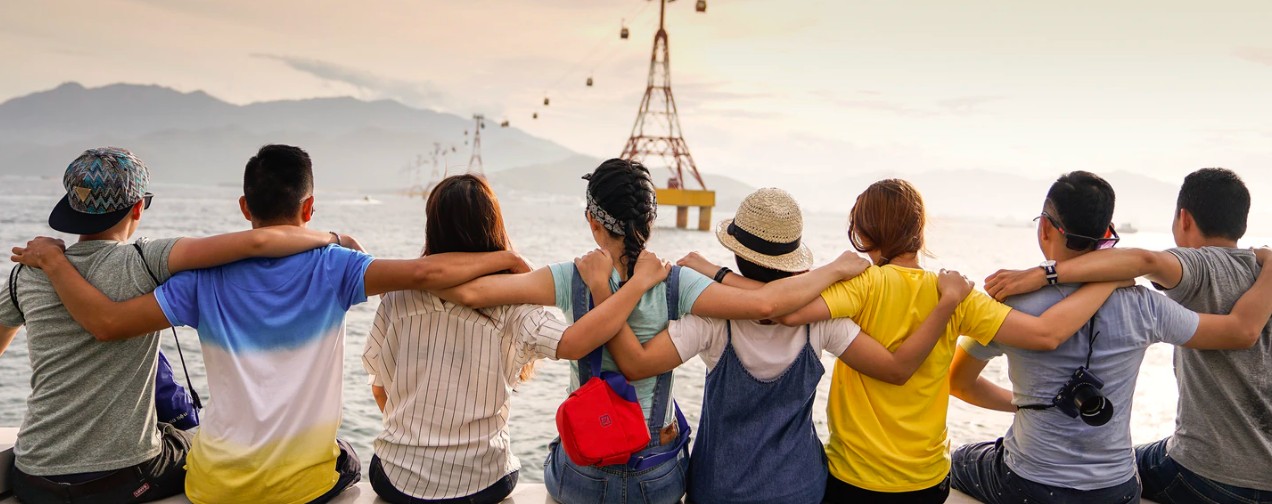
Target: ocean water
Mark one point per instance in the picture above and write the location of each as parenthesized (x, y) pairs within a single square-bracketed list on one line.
[(547, 230)]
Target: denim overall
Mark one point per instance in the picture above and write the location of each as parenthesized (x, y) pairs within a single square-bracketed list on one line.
[(638, 481), (756, 442)]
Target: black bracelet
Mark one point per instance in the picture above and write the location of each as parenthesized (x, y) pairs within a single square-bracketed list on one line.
[(719, 276), (336, 236)]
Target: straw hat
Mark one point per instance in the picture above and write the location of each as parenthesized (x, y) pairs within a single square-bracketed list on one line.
[(767, 231)]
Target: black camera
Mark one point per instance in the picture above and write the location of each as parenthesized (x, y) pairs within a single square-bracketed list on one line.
[(1081, 398)]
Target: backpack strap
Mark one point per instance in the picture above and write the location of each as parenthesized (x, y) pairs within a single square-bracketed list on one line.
[(198, 403), (13, 289)]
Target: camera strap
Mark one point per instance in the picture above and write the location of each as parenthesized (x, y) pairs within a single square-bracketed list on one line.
[(1091, 335), (198, 404), (13, 289)]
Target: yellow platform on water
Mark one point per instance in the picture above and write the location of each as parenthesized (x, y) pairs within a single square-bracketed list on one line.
[(682, 199)]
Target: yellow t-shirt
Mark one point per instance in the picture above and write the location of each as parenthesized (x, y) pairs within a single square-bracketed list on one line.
[(890, 438)]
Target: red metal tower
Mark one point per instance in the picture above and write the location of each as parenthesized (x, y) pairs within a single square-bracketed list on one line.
[(656, 134)]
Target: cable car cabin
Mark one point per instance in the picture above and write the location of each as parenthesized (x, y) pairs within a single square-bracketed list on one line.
[(503, 124), (535, 115), (545, 101), (589, 82), (623, 34), (701, 6)]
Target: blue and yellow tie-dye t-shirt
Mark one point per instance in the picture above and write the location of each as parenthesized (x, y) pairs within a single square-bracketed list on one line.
[(272, 332)]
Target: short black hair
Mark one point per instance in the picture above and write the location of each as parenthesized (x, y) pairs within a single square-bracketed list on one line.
[(761, 273), (1218, 200), (1083, 203), (276, 180)]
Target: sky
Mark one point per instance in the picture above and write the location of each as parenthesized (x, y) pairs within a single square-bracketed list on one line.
[(765, 88)]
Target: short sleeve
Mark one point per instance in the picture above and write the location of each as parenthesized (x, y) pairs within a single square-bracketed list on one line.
[(349, 267), (693, 335), (562, 277), (535, 330), (10, 316), (1170, 322), (156, 253), (838, 334), (692, 284), (1192, 273), (178, 297), (978, 351), (980, 317), (373, 354), (846, 299)]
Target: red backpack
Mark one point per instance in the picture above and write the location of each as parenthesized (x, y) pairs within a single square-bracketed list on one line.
[(602, 423)]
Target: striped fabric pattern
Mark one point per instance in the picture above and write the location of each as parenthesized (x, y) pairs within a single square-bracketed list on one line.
[(449, 372)]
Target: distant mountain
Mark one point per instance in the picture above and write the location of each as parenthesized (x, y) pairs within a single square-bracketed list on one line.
[(194, 137)]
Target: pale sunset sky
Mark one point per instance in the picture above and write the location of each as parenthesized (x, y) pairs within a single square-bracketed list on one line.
[(765, 87)]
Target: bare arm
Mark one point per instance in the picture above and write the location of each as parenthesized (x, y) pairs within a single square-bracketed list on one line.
[(6, 337), (696, 262), (381, 397), (536, 287), (601, 323), (1242, 327), (779, 297), (639, 361), (967, 384), (272, 241), (874, 360), (1060, 322), (105, 319), (437, 271), (1110, 265)]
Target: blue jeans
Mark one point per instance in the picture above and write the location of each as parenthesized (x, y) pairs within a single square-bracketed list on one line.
[(572, 484), (979, 471), (1167, 482)]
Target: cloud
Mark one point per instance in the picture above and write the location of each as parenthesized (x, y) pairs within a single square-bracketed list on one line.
[(966, 104), (372, 86), (1260, 55)]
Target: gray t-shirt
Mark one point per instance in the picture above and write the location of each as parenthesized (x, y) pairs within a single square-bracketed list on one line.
[(1223, 430), (92, 404), (1047, 446)]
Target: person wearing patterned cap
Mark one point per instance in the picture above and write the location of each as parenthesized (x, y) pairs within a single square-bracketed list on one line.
[(91, 432)]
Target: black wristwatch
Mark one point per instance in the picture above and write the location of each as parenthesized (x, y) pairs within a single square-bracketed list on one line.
[(1049, 267), (719, 276)]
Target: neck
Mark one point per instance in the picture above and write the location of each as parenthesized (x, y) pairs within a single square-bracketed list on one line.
[(1216, 242), (616, 251), (906, 261), (119, 233), (294, 221)]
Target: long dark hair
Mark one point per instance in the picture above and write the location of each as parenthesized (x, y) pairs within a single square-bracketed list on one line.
[(625, 191), (463, 215)]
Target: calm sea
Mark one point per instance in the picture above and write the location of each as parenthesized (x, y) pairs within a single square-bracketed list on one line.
[(546, 230)]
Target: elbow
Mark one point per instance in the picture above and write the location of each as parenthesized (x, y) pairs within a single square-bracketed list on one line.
[(106, 332), (1250, 336), (569, 352), (765, 310), (895, 378), (425, 276)]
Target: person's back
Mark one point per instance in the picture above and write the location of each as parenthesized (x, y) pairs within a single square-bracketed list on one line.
[(1234, 447), (273, 336), (1046, 445), (73, 373), (448, 373), (888, 437)]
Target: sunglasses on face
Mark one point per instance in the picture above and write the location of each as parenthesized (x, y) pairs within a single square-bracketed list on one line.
[(147, 197), (1083, 242)]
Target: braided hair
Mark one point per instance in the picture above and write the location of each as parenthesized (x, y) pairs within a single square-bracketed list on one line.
[(625, 191)]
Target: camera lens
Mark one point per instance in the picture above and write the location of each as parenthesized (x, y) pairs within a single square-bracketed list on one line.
[(1094, 409)]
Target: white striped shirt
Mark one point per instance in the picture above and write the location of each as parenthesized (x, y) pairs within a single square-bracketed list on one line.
[(448, 373)]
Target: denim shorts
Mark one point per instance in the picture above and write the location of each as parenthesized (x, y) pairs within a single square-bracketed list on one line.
[(572, 484)]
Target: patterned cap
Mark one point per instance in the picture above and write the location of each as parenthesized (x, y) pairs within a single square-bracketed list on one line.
[(101, 186)]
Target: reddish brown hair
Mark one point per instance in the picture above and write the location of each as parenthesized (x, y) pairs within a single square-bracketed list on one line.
[(889, 218), (462, 215)]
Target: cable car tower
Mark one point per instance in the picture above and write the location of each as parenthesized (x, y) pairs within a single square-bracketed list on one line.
[(474, 161), (657, 134)]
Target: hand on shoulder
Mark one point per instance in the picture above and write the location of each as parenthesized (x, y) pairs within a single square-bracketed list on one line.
[(39, 252)]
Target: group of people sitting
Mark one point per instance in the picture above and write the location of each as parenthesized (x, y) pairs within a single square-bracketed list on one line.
[(460, 327)]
